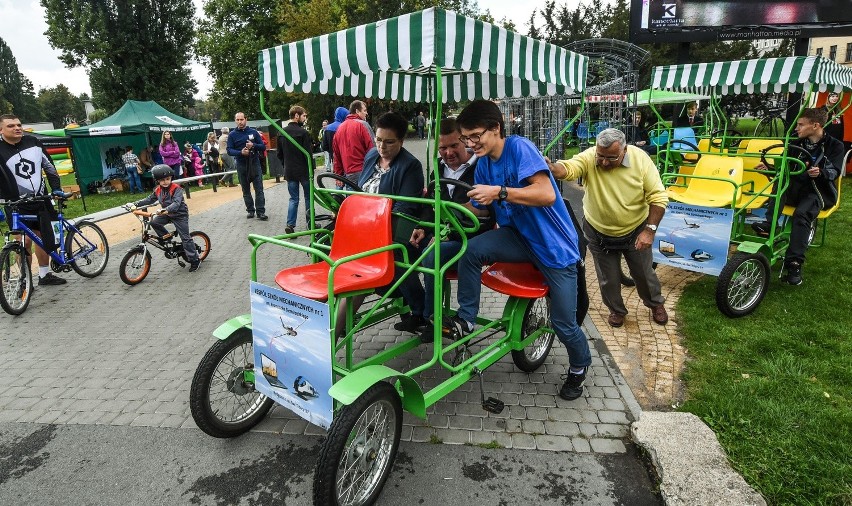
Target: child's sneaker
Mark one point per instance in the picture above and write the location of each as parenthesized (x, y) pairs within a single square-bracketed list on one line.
[(193, 266)]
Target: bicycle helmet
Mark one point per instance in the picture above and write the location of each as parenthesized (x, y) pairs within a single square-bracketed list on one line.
[(161, 171)]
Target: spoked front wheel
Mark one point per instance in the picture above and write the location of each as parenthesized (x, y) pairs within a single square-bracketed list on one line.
[(16, 280), (537, 316), (222, 397), (135, 266), (90, 242), (742, 284), (358, 454)]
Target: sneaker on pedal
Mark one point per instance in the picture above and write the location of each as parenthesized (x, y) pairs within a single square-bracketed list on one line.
[(51, 279), (573, 386), (462, 326), (761, 228), (794, 273)]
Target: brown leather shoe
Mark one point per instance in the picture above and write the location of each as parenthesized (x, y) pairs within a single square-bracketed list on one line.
[(661, 317), (615, 320)]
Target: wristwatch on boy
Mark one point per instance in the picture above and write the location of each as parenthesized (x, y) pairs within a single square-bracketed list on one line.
[(652, 227), (503, 195)]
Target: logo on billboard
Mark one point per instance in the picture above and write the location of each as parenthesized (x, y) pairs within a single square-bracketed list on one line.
[(24, 169), (669, 11)]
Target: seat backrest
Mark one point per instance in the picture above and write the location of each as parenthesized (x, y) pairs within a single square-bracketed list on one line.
[(755, 146), (721, 167), (363, 223)]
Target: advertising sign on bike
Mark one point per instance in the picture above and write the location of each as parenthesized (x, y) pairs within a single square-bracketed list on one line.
[(694, 238), (292, 352)]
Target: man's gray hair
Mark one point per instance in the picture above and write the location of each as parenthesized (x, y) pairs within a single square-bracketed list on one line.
[(225, 130), (610, 136)]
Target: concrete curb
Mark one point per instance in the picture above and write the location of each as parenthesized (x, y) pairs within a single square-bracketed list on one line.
[(690, 462)]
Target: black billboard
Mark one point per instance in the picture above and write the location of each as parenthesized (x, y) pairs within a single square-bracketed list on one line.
[(710, 20)]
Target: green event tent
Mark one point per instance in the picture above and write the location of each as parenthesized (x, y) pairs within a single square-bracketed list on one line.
[(97, 148)]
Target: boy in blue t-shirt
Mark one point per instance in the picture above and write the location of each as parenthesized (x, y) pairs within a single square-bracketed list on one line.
[(513, 178)]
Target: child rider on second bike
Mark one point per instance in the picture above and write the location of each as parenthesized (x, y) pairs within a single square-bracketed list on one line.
[(173, 209)]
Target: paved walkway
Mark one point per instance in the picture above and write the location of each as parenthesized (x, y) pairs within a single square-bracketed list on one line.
[(114, 356)]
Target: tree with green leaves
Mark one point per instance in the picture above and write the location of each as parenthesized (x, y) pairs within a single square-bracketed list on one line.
[(16, 91), (133, 49), (61, 106)]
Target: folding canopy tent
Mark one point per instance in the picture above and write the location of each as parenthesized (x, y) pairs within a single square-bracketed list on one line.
[(97, 148)]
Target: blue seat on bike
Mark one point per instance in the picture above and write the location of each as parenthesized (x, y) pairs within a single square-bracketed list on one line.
[(363, 224)]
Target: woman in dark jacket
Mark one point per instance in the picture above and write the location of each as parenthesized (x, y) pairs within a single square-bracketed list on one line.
[(389, 169)]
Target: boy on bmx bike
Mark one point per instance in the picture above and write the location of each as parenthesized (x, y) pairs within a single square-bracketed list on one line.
[(172, 209)]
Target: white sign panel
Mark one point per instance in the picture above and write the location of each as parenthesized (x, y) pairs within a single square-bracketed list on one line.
[(292, 352), (694, 238)]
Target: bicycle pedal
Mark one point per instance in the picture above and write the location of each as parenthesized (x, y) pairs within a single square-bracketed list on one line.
[(181, 263), (493, 405)]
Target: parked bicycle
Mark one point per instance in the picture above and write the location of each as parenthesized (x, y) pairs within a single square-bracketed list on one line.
[(82, 247), (136, 263)]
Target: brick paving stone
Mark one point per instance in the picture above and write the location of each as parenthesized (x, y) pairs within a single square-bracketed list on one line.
[(423, 434), (545, 401), (588, 429), (465, 422), (294, 426), (438, 421), (149, 420), (612, 430), (271, 425), (523, 441), (535, 413), (581, 445), (613, 417), (313, 430), (607, 445), (553, 443), (453, 436), (533, 426), (561, 428)]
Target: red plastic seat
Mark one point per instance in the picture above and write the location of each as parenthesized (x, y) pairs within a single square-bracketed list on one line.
[(363, 224), (516, 279)]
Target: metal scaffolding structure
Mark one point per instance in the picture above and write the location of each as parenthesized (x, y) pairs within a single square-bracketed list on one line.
[(613, 78)]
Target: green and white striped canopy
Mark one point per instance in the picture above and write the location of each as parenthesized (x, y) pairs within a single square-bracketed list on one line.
[(397, 59), (770, 75)]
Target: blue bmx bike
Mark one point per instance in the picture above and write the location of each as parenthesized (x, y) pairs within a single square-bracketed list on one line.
[(82, 247)]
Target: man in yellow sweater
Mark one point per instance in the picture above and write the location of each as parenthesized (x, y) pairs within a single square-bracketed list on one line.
[(624, 203)]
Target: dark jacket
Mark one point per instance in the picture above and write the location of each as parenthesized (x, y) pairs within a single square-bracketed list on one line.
[(459, 196), (328, 135), (405, 179), (827, 154), (237, 141), (294, 161)]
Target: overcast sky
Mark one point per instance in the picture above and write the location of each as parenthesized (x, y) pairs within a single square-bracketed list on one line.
[(23, 28)]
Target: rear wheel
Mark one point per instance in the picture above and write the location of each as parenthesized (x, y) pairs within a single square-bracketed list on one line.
[(222, 399), (537, 316), (742, 284), (16, 280), (90, 243), (202, 244), (358, 454), (135, 266)]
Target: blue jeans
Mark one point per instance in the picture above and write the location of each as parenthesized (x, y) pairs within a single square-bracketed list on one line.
[(293, 206), (257, 204), (448, 250), (506, 245), (133, 179)]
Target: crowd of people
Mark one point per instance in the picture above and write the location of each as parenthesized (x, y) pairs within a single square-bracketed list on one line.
[(515, 196)]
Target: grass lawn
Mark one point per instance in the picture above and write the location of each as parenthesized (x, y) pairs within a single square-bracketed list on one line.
[(776, 386)]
